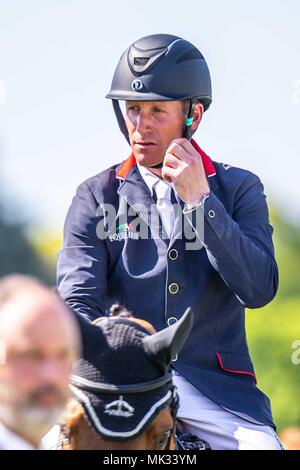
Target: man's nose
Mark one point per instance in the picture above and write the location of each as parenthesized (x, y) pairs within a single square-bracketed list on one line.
[(142, 121), (51, 370)]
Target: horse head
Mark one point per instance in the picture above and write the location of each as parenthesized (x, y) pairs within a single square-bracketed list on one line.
[(123, 395)]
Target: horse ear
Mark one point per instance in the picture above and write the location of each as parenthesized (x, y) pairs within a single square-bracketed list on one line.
[(164, 345), (90, 333)]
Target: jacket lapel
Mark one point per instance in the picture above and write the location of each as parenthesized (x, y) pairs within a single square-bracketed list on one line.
[(134, 191)]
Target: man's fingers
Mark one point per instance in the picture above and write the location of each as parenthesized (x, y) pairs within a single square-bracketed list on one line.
[(168, 173), (185, 144), (176, 149), (183, 150), (171, 160)]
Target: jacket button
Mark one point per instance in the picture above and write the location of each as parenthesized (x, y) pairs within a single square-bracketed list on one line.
[(171, 321), (211, 213), (173, 288), (173, 254)]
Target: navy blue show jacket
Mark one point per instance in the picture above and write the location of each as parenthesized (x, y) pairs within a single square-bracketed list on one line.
[(158, 278)]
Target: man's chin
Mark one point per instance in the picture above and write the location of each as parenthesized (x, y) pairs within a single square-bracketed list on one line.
[(148, 160), (40, 414), (31, 417), (41, 419)]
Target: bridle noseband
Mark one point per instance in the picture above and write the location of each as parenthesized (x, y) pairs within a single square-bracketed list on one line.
[(101, 387)]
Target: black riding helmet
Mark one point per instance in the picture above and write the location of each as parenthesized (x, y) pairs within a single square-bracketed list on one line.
[(161, 67)]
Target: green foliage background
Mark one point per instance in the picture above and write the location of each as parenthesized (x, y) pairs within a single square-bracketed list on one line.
[(273, 329)]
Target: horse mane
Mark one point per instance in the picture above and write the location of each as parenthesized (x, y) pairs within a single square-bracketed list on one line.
[(120, 311)]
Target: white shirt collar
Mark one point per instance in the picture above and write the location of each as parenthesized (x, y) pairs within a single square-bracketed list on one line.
[(151, 179), (9, 440)]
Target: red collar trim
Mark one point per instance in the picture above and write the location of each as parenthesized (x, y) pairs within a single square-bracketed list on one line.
[(131, 161), (206, 160), (125, 167)]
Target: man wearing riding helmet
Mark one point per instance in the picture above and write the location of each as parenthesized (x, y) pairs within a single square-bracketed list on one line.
[(165, 83)]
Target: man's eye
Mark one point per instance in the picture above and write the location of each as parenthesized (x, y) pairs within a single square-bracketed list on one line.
[(63, 355), (132, 108), (32, 356)]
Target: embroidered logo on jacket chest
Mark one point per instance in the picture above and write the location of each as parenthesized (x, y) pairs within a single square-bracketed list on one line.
[(124, 232)]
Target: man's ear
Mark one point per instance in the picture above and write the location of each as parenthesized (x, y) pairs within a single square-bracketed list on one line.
[(197, 116), (2, 353)]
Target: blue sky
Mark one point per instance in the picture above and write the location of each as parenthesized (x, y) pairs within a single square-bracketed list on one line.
[(57, 61)]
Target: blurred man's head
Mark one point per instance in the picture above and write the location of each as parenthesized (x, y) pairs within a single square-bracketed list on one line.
[(38, 342)]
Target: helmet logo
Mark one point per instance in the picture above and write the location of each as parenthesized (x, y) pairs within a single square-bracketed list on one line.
[(136, 85)]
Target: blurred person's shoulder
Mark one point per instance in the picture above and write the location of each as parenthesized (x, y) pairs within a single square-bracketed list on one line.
[(51, 440), (9, 440)]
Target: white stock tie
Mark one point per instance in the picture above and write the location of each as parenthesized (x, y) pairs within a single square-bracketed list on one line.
[(164, 205)]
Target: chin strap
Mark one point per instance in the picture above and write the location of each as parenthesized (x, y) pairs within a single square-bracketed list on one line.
[(122, 126), (120, 119), (189, 120)]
